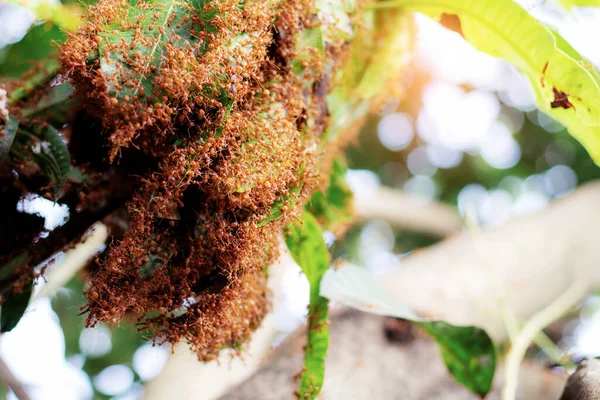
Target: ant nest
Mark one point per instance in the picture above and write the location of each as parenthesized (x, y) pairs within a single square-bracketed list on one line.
[(228, 101)]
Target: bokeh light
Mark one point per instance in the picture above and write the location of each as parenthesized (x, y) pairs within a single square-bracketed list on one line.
[(149, 360), (114, 380), (95, 342), (395, 131)]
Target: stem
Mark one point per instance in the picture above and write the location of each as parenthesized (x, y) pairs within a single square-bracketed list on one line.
[(531, 329), (32, 83), (551, 349), (75, 259)]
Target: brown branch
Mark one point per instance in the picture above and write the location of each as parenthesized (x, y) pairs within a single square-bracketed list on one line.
[(584, 384)]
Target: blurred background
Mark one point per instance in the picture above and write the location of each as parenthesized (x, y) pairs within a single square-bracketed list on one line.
[(467, 134)]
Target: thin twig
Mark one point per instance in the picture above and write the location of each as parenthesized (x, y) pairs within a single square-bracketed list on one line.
[(74, 260), (539, 321)]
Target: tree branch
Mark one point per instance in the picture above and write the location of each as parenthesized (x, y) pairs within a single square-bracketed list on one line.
[(584, 384), (408, 212)]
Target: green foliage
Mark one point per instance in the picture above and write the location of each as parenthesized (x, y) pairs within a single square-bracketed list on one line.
[(467, 351), (148, 269), (14, 307), (335, 18), (53, 106), (289, 200), (35, 50), (14, 304), (334, 26), (7, 270), (163, 23), (305, 242), (44, 145), (363, 81), (7, 136), (391, 35), (567, 86), (38, 45), (333, 206)]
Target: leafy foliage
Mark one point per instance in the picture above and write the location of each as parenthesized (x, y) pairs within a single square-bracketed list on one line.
[(7, 136), (289, 200), (14, 307), (362, 84), (53, 106), (467, 351), (333, 206), (566, 85), (44, 145), (34, 55), (164, 24), (15, 301), (38, 45), (305, 241)]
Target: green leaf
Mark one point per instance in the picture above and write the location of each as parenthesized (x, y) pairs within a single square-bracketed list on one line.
[(305, 242), (14, 307), (333, 206), (566, 85), (39, 44), (335, 19), (165, 24), (53, 105), (290, 199), (7, 136), (467, 351), (275, 212), (7, 270), (46, 147), (148, 269), (355, 287), (37, 48), (379, 53), (334, 25)]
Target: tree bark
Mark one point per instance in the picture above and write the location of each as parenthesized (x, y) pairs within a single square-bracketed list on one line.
[(366, 362), (584, 384)]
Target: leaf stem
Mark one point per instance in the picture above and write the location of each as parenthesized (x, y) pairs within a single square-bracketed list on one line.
[(32, 83), (531, 329)]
